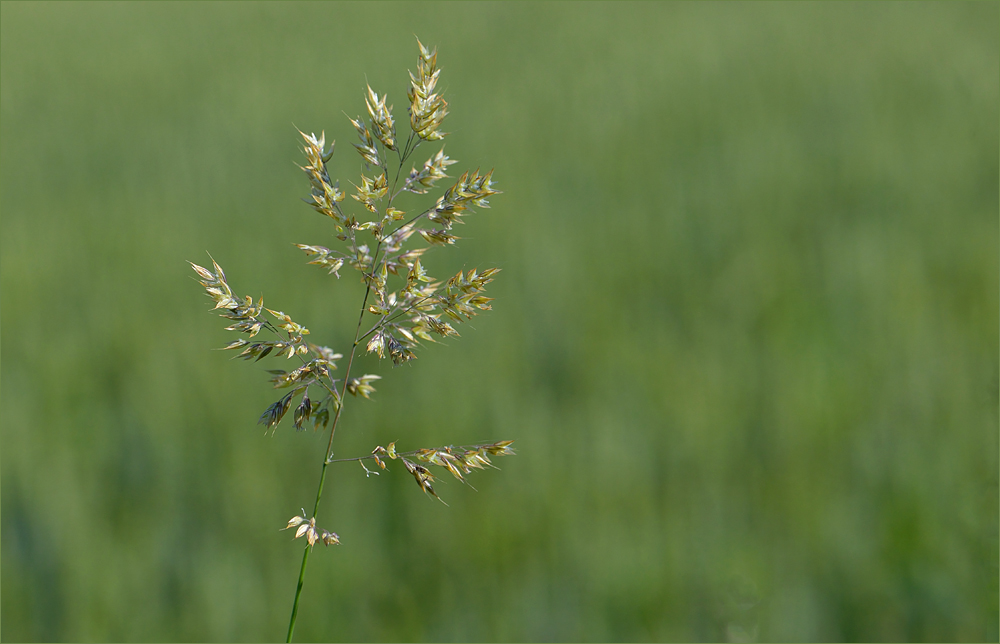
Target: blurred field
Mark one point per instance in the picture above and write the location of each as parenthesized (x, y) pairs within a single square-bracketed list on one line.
[(746, 336)]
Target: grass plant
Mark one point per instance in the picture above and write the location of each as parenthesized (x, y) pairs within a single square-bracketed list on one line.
[(402, 303)]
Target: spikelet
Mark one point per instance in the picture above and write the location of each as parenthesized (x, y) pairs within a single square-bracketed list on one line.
[(306, 527), (427, 108), (458, 461)]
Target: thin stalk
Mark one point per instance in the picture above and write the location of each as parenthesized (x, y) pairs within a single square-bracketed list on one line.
[(343, 393), (326, 461), (298, 589)]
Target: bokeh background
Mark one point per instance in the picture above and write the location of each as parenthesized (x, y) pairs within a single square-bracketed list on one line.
[(746, 336)]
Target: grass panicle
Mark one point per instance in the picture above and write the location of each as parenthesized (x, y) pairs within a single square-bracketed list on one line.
[(403, 306)]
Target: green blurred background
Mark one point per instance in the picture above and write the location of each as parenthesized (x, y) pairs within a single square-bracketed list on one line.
[(746, 336)]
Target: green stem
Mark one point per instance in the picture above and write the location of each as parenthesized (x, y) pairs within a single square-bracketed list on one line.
[(326, 461), (298, 590), (343, 395)]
